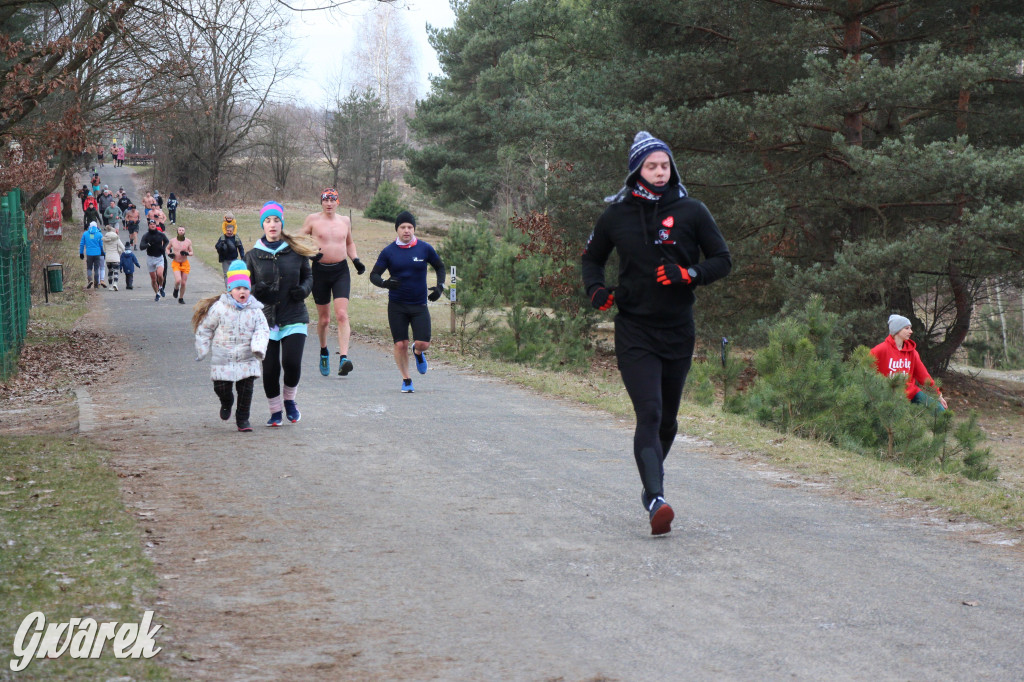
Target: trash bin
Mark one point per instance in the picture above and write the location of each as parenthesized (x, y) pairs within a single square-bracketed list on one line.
[(55, 277)]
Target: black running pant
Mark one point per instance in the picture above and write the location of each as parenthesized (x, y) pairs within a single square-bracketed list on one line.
[(655, 385), (244, 389), (287, 354)]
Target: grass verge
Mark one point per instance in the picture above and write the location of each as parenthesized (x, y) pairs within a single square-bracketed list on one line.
[(69, 549)]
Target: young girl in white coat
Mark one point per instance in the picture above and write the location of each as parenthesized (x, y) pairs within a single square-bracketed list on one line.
[(233, 327)]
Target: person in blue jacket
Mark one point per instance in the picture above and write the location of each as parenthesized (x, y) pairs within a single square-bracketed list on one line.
[(128, 264), (406, 261), (90, 249)]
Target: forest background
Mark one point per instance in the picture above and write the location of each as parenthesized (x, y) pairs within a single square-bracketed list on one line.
[(866, 152)]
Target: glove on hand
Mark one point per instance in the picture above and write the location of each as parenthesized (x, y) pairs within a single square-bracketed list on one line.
[(360, 268), (183, 253), (81, 256), (673, 274), (602, 298), (391, 283), (297, 293), (435, 292), (318, 256)]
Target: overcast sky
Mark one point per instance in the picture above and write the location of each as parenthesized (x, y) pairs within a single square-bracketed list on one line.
[(323, 41)]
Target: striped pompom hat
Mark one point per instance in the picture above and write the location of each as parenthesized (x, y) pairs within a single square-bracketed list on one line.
[(272, 208), (238, 275)]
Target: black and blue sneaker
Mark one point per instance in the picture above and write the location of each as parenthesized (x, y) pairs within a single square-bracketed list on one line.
[(661, 515), (291, 410), (325, 364), (421, 362), (275, 420), (407, 386), (344, 366)]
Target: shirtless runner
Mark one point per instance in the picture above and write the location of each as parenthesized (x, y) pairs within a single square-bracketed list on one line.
[(180, 248), (333, 234)]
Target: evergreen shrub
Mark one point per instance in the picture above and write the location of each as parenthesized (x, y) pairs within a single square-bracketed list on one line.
[(386, 203), (805, 387)]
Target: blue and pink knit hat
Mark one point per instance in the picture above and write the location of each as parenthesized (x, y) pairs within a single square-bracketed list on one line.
[(238, 275), (272, 208)]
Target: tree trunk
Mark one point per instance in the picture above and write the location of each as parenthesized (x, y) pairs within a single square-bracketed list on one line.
[(67, 201), (853, 121), (1002, 320)]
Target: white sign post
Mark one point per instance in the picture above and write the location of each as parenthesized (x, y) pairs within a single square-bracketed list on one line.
[(451, 294)]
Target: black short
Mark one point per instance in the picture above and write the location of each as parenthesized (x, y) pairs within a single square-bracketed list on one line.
[(331, 280), (402, 315), (132, 227)]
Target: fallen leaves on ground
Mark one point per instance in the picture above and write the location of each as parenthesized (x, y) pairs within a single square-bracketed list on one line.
[(54, 361)]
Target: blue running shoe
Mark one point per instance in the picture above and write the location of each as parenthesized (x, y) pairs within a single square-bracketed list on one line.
[(661, 516), (325, 365), (407, 386), (344, 366), (421, 362), (292, 411), (275, 420)]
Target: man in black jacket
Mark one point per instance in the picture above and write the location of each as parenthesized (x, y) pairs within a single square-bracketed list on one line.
[(229, 247), (660, 233), (154, 242)]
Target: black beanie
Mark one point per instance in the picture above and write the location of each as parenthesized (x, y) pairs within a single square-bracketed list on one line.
[(405, 217)]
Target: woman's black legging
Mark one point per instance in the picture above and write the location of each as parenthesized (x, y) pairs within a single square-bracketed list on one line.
[(655, 386), (286, 353)]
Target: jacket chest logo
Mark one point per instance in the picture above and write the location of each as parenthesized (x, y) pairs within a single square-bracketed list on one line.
[(668, 222)]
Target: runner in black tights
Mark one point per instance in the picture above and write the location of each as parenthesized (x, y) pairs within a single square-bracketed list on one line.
[(660, 234)]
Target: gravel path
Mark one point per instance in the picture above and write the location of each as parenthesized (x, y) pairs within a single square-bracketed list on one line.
[(477, 531)]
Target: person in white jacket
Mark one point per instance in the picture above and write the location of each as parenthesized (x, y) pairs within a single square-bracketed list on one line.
[(231, 328), (113, 247)]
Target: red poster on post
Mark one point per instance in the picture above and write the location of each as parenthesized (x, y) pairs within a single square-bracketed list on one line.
[(52, 222)]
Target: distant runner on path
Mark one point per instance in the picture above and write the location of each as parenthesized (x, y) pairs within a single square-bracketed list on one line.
[(153, 243), (180, 248), (331, 278), (660, 233), (406, 261)]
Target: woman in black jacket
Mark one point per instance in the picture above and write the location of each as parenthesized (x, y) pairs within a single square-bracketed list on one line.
[(281, 281), (660, 233)]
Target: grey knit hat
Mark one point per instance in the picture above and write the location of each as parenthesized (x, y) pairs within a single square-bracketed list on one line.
[(896, 323)]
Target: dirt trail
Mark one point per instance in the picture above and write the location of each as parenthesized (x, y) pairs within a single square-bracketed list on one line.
[(474, 530)]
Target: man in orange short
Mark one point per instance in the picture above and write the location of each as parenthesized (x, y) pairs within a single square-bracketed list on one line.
[(180, 249)]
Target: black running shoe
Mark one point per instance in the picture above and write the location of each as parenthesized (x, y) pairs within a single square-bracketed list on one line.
[(344, 366), (175, 293), (244, 426), (661, 516)]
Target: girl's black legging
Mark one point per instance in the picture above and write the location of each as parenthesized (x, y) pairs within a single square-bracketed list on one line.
[(655, 386), (286, 353), (244, 389)]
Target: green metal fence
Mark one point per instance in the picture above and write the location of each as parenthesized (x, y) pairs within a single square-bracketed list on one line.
[(15, 294)]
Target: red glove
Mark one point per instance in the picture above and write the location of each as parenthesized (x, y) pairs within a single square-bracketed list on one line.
[(673, 274), (602, 298)]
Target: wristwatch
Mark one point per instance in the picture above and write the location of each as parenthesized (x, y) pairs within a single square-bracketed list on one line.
[(692, 273)]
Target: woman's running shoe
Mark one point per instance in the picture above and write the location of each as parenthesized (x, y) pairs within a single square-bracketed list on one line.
[(244, 426), (275, 419), (291, 410)]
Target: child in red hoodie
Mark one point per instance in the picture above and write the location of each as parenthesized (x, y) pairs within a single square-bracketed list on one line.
[(899, 354)]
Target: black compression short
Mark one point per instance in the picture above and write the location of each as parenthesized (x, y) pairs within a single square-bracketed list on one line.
[(402, 315), (331, 280)]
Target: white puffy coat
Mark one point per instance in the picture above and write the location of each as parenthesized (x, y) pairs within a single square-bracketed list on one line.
[(113, 247), (236, 336)]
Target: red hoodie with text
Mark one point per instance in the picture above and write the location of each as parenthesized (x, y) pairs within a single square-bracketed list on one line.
[(889, 359)]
